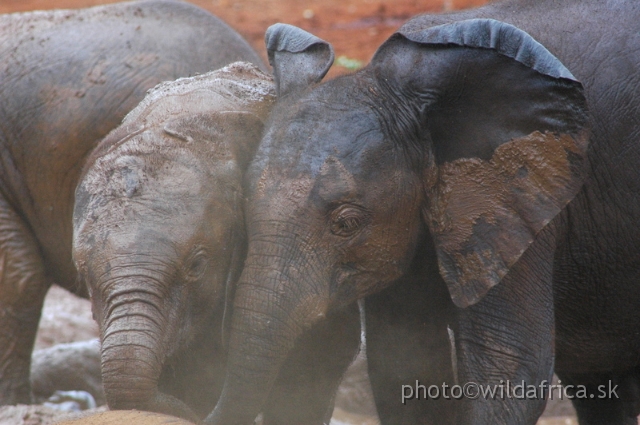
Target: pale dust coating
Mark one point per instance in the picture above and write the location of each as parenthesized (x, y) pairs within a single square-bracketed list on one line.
[(239, 87)]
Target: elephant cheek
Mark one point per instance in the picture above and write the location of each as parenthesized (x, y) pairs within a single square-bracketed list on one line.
[(387, 254)]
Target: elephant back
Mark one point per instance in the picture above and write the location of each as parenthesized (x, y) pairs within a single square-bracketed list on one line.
[(68, 77)]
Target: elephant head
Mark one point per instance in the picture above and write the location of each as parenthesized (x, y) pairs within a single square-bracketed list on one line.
[(159, 226), (468, 136)]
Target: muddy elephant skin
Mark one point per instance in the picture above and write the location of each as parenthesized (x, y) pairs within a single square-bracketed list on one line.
[(158, 236), (67, 78), (477, 183)]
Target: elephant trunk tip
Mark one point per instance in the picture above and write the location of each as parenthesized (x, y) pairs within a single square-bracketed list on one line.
[(129, 394), (149, 399)]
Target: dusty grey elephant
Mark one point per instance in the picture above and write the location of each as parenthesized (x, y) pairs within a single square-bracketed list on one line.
[(158, 236), (67, 78), (482, 200)]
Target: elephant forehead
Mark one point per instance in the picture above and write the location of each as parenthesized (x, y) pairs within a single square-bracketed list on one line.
[(276, 183), (297, 169), (302, 135), (373, 177), (148, 165), (176, 200), (147, 238), (239, 86), (132, 177), (322, 138), (200, 101)]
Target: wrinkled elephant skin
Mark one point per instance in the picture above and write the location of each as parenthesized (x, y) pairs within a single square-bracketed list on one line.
[(67, 78), (159, 236), (477, 183)]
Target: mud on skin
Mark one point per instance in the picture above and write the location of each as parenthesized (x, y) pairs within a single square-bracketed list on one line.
[(68, 77), (481, 173), (159, 236)]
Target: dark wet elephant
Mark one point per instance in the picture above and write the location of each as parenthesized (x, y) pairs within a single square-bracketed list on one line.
[(482, 201), (158, 236), (67, 78)]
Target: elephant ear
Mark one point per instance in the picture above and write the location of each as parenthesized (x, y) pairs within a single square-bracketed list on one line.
[(298, 58), (235, 133), (502, 125)]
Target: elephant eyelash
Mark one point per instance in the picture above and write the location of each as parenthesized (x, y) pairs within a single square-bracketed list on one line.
[(347, 220), (198, 265), (350, 223)]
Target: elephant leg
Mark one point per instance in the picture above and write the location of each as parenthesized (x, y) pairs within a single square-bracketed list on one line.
[(307, 383), (604, 398), (408, 351), (23, 287), (506, 340)]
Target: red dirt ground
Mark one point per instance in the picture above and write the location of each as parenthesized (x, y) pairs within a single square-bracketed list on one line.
[(354, 27)]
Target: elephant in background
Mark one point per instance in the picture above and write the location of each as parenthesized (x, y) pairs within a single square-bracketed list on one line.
[(158, 236), (67, 78), (477, 183)]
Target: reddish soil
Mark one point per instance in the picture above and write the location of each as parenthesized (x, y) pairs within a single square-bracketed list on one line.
[(354, 27)]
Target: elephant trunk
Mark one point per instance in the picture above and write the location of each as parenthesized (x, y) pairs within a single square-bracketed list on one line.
[(133, 356), (272, 309)]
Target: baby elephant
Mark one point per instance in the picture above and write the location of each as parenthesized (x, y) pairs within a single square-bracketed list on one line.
[(158, 236), (67, 78)]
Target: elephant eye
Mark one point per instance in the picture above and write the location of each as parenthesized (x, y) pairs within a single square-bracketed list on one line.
[(197, 266), (347, 220)]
